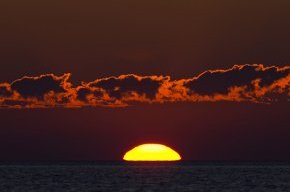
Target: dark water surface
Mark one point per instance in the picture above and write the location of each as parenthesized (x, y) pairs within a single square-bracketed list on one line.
[(121, 176)]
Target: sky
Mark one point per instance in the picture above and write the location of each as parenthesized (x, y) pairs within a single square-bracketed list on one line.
[(89, 80)]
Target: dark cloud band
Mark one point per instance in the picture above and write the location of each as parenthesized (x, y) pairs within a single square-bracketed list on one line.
[(250, 83)]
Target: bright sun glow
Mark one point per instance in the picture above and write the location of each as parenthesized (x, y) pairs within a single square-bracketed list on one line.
[(151, 152)]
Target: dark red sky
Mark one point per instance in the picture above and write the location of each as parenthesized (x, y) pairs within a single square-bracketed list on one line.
[(101, 38), (97, 39), (198, 131)]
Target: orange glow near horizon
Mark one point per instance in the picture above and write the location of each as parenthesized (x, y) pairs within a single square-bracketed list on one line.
[(152, 152)]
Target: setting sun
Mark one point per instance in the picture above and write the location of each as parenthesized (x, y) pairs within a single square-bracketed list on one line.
[(151, 152)]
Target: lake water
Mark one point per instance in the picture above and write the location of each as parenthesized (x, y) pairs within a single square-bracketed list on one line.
[(122, 176)]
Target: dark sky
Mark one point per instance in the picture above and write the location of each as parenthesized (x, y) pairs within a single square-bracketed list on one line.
[(180, 38), (204, 131), (99, 38)]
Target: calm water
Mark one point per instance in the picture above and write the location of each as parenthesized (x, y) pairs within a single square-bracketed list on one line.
[(114, 176)]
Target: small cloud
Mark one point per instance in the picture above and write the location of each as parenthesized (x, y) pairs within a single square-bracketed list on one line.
[(39, 86)]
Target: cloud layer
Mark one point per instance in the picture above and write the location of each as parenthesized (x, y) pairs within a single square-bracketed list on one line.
[(241, 83)]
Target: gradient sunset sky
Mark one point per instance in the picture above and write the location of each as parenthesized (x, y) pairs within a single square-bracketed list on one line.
[(90, 79)]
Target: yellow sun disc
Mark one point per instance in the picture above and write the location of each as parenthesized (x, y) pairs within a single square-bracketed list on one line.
[(151, 152)]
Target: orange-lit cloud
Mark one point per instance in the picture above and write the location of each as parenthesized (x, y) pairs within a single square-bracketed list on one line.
[(249, 83)]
